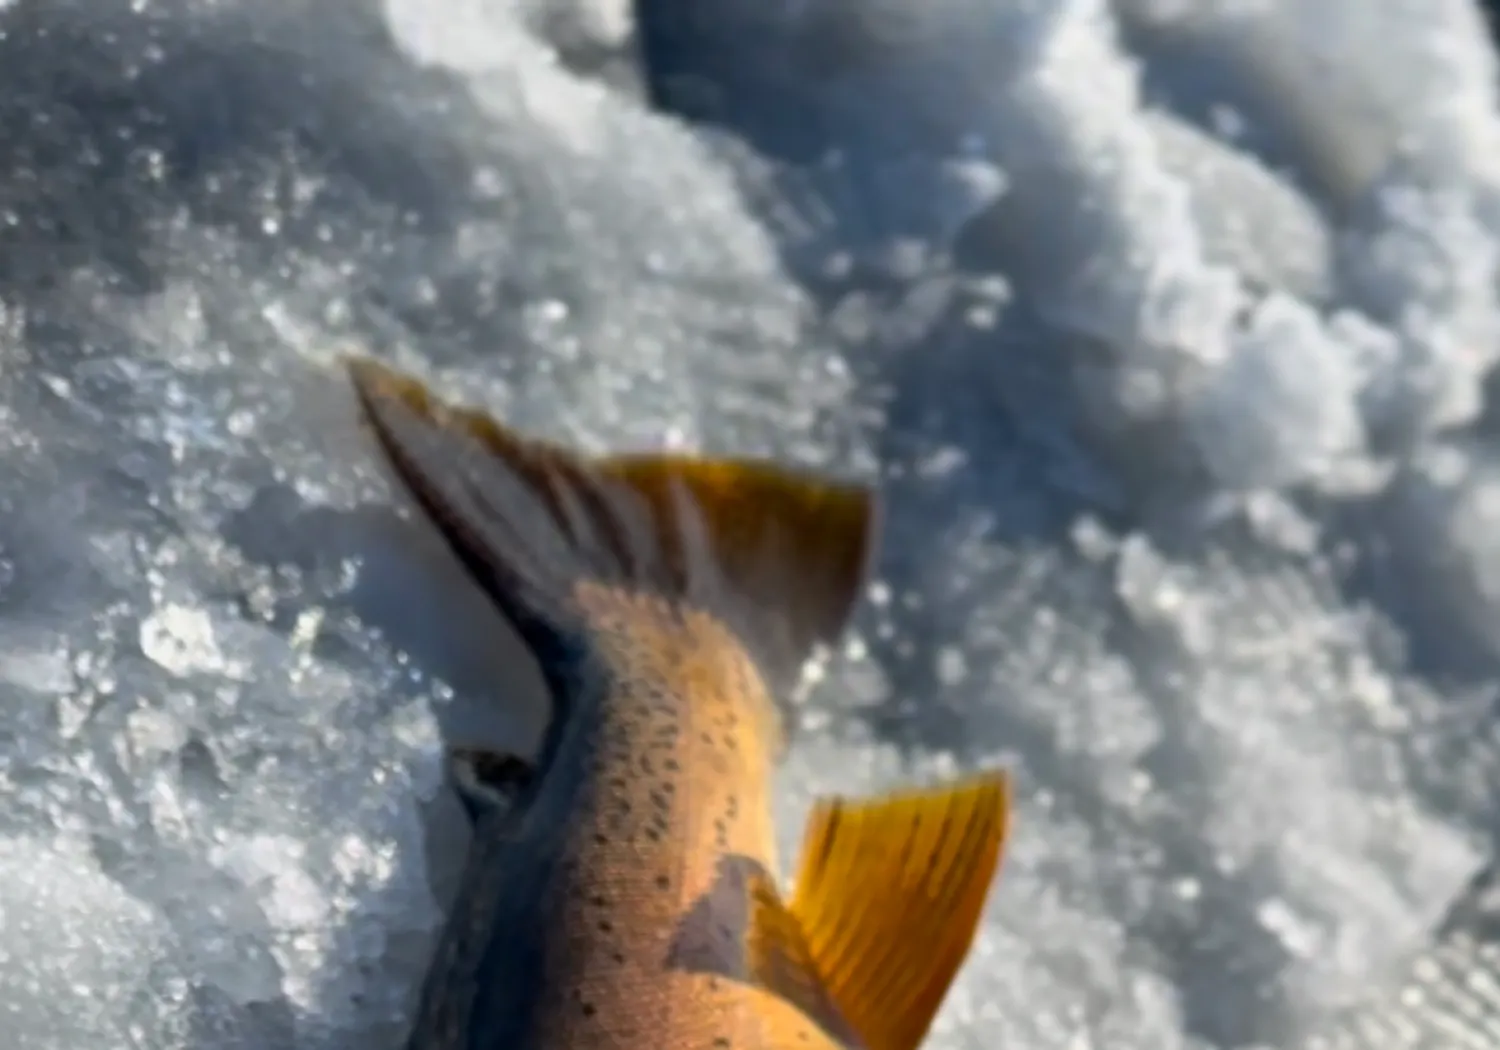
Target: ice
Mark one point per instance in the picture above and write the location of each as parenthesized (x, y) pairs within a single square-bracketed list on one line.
[(1303, 385), (1169, 327), (73, 944), (180, 639)]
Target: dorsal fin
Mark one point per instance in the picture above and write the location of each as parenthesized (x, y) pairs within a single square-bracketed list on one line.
[(889, 895)]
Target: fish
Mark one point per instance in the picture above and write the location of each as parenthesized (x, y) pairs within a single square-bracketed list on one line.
[(620, 891)]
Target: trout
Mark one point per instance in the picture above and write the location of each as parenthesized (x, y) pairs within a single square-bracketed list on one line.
[(620, 891)]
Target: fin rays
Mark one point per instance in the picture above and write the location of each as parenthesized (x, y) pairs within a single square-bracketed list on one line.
[(889, 895)]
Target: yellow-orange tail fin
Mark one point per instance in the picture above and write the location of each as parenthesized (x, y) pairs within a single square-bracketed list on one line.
[(778, 555)]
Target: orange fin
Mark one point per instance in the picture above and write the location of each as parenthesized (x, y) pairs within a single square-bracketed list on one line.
[(777, 555), (889, 896)]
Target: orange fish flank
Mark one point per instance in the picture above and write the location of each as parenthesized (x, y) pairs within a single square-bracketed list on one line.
[(620, 892), (702, 769)]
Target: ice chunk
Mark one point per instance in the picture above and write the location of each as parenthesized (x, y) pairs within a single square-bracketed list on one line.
[(181, 640), (1283, 407), (1253, 220)]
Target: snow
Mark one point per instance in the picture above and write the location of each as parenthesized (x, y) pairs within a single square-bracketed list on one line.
[(1169, 327)]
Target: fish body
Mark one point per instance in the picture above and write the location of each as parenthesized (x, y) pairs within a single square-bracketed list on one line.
[(625, 897)]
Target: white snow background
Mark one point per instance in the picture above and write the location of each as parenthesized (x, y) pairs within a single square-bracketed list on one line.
[(1169, 327)]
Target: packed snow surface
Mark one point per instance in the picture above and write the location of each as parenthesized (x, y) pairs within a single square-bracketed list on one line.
[(1168, 327)]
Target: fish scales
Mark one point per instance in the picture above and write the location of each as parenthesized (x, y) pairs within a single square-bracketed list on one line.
[(604, 872), (620, 892)]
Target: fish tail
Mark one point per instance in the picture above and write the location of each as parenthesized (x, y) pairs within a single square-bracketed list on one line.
[(777, 555)]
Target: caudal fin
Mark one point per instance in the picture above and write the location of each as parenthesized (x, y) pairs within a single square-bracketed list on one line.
[(777, 555)]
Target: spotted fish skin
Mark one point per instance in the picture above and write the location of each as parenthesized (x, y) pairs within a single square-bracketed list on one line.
[(627, 899), (567, 918)]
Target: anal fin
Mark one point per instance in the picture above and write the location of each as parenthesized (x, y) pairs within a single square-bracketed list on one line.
[(888, 899)]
